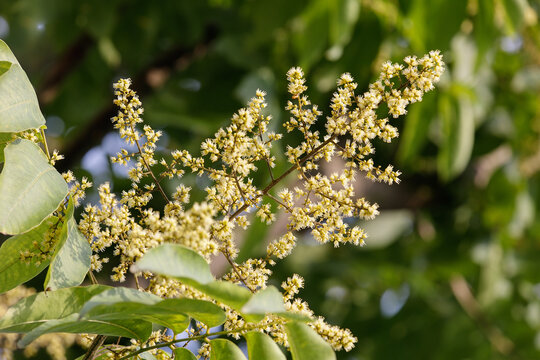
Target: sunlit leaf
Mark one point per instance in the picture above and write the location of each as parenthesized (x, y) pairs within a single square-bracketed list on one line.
[(183, 354), (306, 344), (30, 188), (71, 258), (268, 300), (175, 261), (125, 303), (37, 309), (133, 329), (261, 346), (228, 293), (222, 349), (19, 108)]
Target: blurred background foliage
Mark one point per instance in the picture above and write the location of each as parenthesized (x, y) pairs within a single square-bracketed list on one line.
[(451, 269)]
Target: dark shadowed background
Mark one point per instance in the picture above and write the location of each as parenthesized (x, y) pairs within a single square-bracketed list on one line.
[(452, 265)]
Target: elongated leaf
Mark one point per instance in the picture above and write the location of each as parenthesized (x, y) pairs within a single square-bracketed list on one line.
[(311, 38), (133, 329), (71, 258), (119, 295), (37, 309), (458, 129), (485, 30), (414, 135), (124, 303), (19, 108), (175, 261), (30, 188), (173, 320), (203, 311), (262, 347), (514, 11), (222, 349), (268, 300), (13, 271), (344, 15), (229, 294), (183, 354), (306, 344)]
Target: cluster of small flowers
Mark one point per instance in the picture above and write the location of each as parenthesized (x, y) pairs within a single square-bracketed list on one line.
[(320, 202), (77, 190), (54, 344), (33, 135)]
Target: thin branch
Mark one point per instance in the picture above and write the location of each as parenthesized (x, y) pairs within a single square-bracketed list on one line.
[(237, 272), (44, 140), (287, 172), (176, 59), (466, 299), (151, 173), (94, 347), (172, 342), (63, 66)]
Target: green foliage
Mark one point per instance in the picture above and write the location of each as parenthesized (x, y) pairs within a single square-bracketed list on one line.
[(223, 349), (261, 346), (19, 109), (183, 354), (30, 188), (70, 261), (466, 207), (38, 309), (13, 271), (306, 343)]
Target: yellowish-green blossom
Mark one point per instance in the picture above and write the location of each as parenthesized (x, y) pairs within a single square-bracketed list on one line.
[(320, 203)]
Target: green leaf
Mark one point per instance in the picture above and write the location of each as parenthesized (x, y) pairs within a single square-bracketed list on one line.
[(133, 329), (125, 303), (268, 300), (4, 139), (225, 292), (222, 349), (311, 36), (19, 108), (415, 130), (175, 261), (4, 66), (343, 18), (30, 188), (485, 30), (262, 347), (171, 319), (13, 271), (457, 117), (306, 344), (36, 309), (71, 258), (183, 354), (514, 13), (119, 295), (6, 54), (431, 24), (203, 311)]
